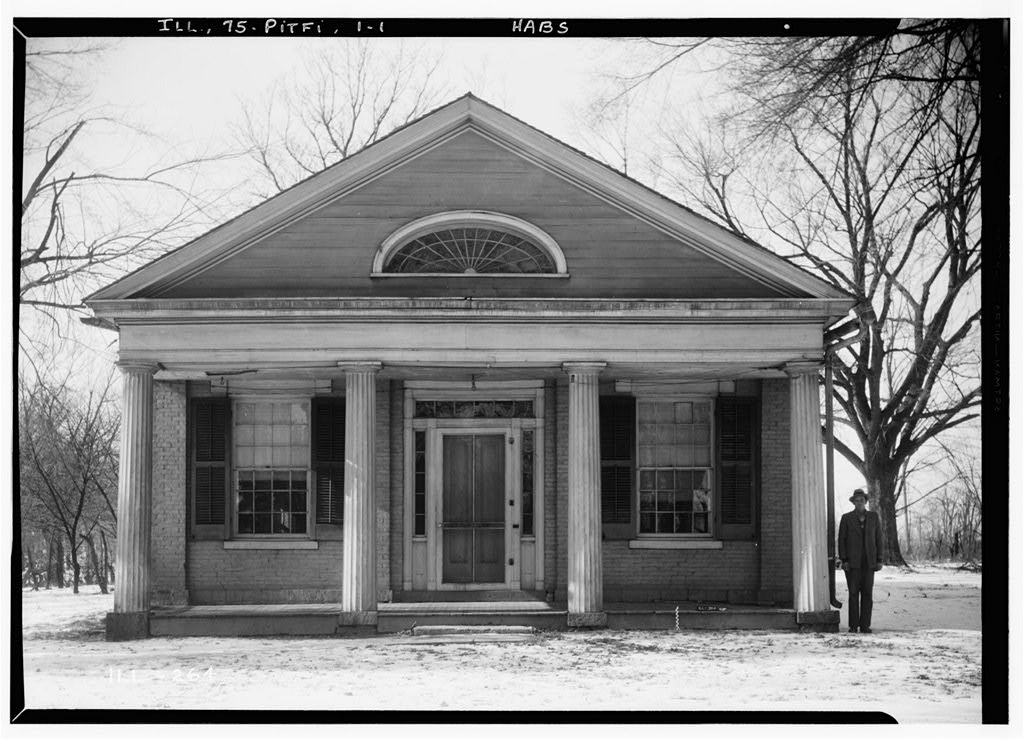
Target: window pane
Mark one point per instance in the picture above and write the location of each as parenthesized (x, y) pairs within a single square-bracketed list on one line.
[(702, 434), (647, 478), (300, 414), (263, 479), (647, 499), (282, 413), (245, 501), (300, 435), (299, 523), (701, 456), (264, 413), (263, 434), (647, 523), (280, 456), (683, 456), (298, 501), (282, 501), (665, 523), (244, 436), (262, 501), (245, 523), (700, 523), (684, 412), (263, 522), (702, 412), (281, 435), (245, 457), (665, 480), (665, 500)]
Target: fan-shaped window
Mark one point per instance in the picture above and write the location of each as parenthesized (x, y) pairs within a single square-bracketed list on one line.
[(469, 243)]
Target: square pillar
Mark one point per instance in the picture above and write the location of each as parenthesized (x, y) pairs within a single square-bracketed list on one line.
[(586, 604), (810, 555), (359, 565), (130, 618)]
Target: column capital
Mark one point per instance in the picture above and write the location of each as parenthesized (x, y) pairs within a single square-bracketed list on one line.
[(138, 366), (583, 368), (360, 367), (804, 367)]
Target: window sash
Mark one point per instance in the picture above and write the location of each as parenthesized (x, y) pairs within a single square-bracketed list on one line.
[(272, 476), (675, 490)]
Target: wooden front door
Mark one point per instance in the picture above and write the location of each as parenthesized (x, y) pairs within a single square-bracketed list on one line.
[(473, 509)]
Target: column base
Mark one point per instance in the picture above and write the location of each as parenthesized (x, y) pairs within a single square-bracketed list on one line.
[(587, 619), (357, 619), (127, 626), (823, 621)]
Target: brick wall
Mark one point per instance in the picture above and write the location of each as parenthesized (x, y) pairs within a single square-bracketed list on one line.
[(551, 478), (776, 494), (729, 574), (741, 572), (561, 497), (219, 576), (169, 517), (382, 482), (397, 472)]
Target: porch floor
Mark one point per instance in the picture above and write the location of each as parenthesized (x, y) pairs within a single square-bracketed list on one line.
[(324, 619)]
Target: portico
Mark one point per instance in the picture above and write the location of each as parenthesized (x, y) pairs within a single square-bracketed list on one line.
[(488, 403)]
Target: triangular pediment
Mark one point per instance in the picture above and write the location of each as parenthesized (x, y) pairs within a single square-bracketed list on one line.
[(320, 238)]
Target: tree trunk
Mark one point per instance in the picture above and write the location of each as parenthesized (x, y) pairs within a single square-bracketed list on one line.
[(32, 568), (882, 493), (108, 568), (60, 561), (94, 562), (76, 570)]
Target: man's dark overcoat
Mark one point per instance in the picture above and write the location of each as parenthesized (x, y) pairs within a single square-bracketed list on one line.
[(851, 549)]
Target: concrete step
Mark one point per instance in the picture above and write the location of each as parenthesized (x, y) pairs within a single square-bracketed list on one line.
[(409, 619), (472, 629)]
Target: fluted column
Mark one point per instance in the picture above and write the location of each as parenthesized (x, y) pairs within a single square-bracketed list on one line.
[(359, 569), (130, 618), (586, 605), (810, 555)]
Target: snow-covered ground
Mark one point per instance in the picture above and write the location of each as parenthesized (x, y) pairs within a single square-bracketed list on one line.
[(922, 664)]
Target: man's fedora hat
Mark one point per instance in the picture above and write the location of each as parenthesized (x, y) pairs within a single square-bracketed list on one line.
[(859, 493)]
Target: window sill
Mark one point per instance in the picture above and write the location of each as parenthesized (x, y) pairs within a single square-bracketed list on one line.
[(271, 545), (667, 544)]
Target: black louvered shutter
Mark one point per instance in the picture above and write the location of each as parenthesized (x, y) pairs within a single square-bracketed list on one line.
[(329, 459), (618, 422), (737, 468), (210, 443)]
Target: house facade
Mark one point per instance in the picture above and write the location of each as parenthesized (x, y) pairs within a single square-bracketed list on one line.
[(470, 359)]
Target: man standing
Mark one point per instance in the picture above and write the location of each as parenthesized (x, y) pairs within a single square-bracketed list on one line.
[(860, 551)]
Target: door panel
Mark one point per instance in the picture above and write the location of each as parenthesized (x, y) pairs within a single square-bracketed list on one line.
[(473, 509)]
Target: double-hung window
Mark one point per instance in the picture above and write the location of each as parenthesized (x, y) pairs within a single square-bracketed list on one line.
[(272, 467), (674, 445), (679, 467)]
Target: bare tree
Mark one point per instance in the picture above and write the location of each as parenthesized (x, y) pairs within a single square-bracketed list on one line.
[(88, 211), (68, 467), (858, 157), (347, 96)]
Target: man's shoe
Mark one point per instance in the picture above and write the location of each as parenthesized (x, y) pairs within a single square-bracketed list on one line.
[(865, 630), (853, 629)]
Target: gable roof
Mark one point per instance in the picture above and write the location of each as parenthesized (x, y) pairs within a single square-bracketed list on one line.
[(433, 129)]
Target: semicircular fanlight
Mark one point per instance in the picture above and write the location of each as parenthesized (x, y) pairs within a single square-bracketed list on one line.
[(469, 251)]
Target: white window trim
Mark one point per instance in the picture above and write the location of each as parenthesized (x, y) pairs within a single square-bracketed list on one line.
[(271, 544), (675, 542), (460, 219), (681, 540)]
